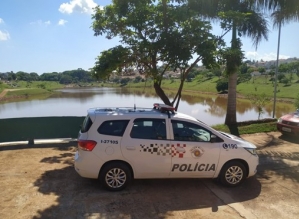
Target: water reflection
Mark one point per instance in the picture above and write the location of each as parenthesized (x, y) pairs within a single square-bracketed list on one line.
[(211, 109)]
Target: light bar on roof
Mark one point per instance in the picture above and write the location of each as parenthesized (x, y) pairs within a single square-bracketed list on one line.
[(163, 107)]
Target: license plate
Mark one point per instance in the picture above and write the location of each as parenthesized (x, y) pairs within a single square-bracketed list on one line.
[(286, 129)]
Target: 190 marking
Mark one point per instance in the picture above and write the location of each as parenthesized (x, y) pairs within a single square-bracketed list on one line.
[(109, 141), (230, 146)]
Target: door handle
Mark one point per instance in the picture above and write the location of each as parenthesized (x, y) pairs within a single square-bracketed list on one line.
[(131, 148)]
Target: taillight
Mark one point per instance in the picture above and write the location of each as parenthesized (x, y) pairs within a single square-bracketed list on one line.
[(86, 145)]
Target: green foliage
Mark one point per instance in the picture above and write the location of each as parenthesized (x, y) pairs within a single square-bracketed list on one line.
[(285, 81), (65, 79), (137, 79), (244, 68), (152, 32), (251, 128), (280, 77), (110, 62), (222, 85), (124, 81), (78, 75), (296, 103), (259, 101), (244, 78), (43, 86), (262, 70)]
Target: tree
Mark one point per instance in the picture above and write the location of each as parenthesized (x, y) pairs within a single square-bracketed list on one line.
[(153, 32), (294, 67), (280, 77), (12, 76), (283, 11), (65, 79), (33, 76), (259, 101), (244, 68), (262, 70), (22, 76), (242, 18), (286, 81), (283, 68)]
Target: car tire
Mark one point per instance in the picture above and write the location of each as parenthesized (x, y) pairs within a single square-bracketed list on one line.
[(115, 176), (233, 174)]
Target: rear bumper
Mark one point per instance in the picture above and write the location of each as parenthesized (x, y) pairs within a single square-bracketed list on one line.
[(89, 167)]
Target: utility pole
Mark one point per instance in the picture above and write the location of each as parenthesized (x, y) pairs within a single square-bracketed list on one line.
[(276, 70)]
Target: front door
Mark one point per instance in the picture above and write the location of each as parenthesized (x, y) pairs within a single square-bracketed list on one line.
[(193, 153)]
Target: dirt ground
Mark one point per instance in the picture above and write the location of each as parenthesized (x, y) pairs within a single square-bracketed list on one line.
[(39, 181)]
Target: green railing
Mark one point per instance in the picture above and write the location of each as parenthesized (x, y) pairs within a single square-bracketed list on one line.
[(28, 129)]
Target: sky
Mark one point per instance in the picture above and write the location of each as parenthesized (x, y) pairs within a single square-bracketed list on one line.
[(46, 36)]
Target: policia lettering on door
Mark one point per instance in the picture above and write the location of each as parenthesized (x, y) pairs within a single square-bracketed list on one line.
[(193, 168)]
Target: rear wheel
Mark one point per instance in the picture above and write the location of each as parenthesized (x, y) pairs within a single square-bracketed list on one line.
[(232, 174), (115, 176)]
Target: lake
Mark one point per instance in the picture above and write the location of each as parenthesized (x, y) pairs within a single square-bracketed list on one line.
[(210, 109)]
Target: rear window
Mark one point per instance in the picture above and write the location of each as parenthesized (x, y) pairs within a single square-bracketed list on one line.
[(86, 124), (113, 127)]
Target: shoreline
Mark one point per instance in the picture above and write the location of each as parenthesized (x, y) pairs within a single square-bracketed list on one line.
[(16, 98)]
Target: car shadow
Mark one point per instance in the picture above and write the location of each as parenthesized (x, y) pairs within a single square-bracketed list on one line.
[(78, 197), (61, 146), (290, 138)]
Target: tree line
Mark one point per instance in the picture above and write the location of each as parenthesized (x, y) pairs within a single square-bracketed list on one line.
[(66, 77)]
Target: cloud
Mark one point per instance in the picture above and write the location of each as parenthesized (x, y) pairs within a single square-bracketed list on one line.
[(266, 56), (81, 6), (1, 21), (4, 36), (41, 23), (62, 22)]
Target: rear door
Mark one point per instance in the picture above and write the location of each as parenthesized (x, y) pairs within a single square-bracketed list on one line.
[(146, 147)]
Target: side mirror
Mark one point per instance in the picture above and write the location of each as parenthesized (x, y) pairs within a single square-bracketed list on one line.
[(213, 138)]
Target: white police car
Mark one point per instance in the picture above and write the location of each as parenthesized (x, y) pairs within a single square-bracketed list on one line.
[(116, 145)]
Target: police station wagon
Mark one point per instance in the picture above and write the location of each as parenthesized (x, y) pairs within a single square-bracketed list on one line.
[(116, 145)]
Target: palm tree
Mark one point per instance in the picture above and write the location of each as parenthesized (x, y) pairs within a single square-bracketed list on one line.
[(282, 12), (242, 18)]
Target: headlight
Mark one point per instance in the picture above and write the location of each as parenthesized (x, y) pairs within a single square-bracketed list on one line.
[(251, 151), (279, 120)]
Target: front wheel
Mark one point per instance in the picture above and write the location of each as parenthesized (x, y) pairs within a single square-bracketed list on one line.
[(115, 176), (232, 174)]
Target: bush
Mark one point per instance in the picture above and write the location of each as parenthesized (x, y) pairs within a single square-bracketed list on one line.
[(222, 85)]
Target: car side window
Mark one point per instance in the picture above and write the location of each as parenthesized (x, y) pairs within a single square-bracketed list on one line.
[(149, 129), (87, 123), (113, 127), (185, 131)]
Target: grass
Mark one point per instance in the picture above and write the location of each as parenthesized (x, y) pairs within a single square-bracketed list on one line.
[(27, 91), (3, 86), (251, 128), (22, 90), (259, 85)]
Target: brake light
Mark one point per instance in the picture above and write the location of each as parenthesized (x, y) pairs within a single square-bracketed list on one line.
[(86, 145)]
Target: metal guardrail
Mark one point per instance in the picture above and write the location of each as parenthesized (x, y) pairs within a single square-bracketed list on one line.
[(28, 129)]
